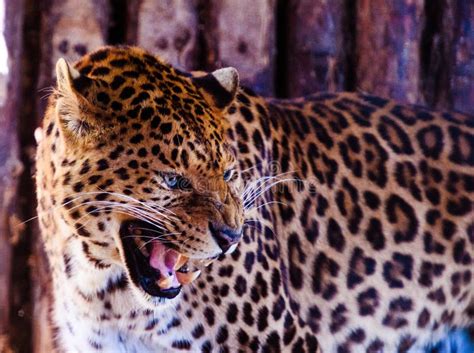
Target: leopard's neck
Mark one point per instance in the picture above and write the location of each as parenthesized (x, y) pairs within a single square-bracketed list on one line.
[(94, 308)]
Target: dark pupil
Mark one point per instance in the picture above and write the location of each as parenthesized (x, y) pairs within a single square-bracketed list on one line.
[(183, 183)]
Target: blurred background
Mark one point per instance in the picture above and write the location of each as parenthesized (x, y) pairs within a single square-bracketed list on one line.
[(417, 51)]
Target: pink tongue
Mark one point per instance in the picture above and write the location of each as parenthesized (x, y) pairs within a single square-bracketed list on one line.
[(163, 259)]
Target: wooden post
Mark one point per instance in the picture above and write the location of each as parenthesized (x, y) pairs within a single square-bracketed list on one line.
[(315, 44), (10, 165), (437, 54), (462, 81), (387, 48), (166, 28), (70, 29), (242, 34)]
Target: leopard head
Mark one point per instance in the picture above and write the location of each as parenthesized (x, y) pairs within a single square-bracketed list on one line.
[(144, 172)]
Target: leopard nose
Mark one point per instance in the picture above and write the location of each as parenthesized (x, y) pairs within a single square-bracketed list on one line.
[(225, 236)]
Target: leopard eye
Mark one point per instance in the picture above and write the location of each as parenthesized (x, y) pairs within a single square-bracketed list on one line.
[(171, 180), (228, 174), (176, 182)]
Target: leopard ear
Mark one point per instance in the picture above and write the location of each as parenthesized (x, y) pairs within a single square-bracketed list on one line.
[(219, 87), (72, 107)]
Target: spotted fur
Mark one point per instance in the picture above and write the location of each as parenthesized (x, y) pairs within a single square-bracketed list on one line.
[(366, 247)]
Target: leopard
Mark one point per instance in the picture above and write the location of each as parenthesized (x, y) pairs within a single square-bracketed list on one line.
[(181, 211)]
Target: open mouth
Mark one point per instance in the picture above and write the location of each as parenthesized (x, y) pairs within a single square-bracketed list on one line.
[(158, 268)]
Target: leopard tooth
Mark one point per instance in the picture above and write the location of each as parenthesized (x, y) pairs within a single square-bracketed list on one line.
[(188, 277), (181, 261), (208, 262), (140, 243), (232, 249), (144, 251), (166, 282), (38, 134), (205, 262)]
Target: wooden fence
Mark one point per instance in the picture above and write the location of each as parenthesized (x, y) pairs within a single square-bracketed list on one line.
[(412, 50)]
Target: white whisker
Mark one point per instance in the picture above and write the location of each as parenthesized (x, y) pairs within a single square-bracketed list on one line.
[(249, 201), (271, 202), (169, 241)]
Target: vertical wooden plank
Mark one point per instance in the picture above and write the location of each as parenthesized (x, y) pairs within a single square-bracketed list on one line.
[(208, 35), (21, 292), (462, 81), (387, 48), (315, 42), (437, 54), (69, 29), (244, 35), (10, 165), (166, 28)]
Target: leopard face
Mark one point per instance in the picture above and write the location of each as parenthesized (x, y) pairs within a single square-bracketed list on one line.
[(143, 169)]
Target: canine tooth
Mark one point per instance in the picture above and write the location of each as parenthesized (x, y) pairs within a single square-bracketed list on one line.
[(166, 282), (181, 261), (38, 135), (208, 262), (232, 249), (188, 277)]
